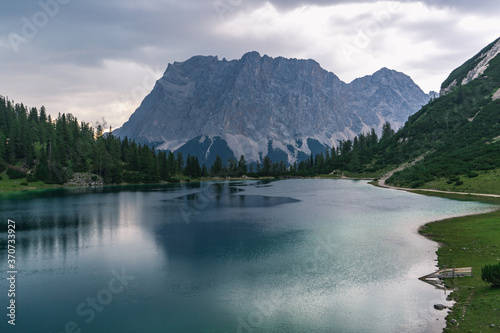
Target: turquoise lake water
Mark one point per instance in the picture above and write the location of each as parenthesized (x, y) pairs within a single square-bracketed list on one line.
[(252, 256)]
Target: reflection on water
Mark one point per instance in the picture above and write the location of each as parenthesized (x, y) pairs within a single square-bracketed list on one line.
[(294, 256)]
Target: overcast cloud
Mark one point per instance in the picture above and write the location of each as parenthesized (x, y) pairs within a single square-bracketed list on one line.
[(100, 58)]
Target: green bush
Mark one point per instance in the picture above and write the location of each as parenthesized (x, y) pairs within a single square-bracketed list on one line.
[(458, 183), (31, 178), (24, 183), (2, 167), (491, 274), (472, 174), (454, 178), (417, 183), (15, 174), (131, 177)]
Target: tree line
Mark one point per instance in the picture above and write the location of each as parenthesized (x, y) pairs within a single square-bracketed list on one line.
[(34, 145), (38, 147)]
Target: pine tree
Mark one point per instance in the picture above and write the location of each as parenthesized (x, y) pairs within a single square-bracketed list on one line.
[(242, 166), (387, 131), (180, 162), (42, 168), (172, 164), (267, 166), (217, 166), (204, 171)]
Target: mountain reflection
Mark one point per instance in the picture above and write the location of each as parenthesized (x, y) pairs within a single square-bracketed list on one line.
[(67, 221)]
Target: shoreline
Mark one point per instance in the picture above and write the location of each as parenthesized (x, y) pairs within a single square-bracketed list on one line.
[(469, 240), (468, 294)]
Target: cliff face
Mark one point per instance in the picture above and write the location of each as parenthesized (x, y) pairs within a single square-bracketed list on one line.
[(258, 106), (471, 69)]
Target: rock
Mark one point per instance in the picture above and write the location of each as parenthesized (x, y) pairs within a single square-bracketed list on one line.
[(453, 321), (85, 179), (440, 307), (492, 325)]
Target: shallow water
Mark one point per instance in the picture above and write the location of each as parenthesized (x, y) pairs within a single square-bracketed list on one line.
[(285, 256)]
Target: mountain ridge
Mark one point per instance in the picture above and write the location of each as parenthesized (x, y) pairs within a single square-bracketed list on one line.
[(259, 104)]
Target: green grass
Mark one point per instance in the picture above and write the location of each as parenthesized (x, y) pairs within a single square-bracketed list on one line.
[(13, 185), (470, 242), (487, 182)]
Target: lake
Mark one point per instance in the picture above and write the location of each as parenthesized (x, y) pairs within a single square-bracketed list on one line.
[(244, 256)]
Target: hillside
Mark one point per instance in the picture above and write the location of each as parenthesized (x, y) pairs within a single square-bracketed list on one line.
[(459, 132), (471, 69)]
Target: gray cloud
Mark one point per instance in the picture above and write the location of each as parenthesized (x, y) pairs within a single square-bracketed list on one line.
[(479, 6), (88, 54)]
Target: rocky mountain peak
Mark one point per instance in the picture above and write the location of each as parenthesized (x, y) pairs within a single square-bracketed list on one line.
[(259, 105)]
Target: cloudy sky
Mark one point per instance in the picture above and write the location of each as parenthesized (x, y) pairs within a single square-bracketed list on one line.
[(98, 58)]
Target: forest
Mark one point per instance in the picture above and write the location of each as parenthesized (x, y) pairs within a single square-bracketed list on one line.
[(36, 147)]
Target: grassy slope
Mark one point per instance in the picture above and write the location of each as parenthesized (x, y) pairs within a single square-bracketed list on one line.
[(9, 185), (470, 242), (487, 182)]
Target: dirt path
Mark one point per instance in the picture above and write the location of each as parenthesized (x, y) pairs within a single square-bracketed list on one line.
[(463, 193), (382, 180)]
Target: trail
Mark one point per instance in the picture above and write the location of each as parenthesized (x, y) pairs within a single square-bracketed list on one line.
[(382, 180)]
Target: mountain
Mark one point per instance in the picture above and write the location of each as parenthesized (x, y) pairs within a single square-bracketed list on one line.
[(459, 132), (472, 68), (261, 106)]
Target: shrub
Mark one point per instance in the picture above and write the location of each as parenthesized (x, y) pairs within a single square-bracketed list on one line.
[(131, 177), (458, 183), (31, 178), (15, 174), (417, 183), (454, 178), (24, 183), (472, 174), (2, 167), (491, 274)]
